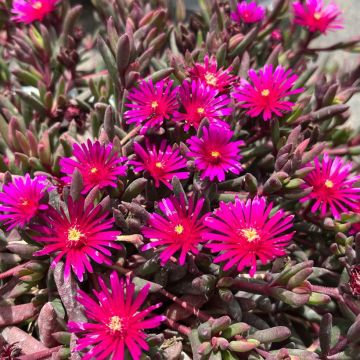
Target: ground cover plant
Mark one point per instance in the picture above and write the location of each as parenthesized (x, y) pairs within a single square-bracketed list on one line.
[(177, 184)]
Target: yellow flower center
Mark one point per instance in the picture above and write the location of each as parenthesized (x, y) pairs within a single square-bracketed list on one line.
[(329, 184), (210, 79), (179, 229), (154, 104), (200, 110), (215, 154), (74, 234), (93, 170), (317, 16), (265, 92), (115, 323), (159, 164), (250, 234), (37, 5)]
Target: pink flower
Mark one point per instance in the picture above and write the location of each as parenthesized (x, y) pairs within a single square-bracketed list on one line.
[(161, 163), (22, 200), (248, 13), (200, 101), (28, 11), (180, 228), (77, 235), (316, 16), (266, 92), (209, 74), (244, 231), (117, 323), (151, 104), (98, 164), (214, 152), (333, 189)]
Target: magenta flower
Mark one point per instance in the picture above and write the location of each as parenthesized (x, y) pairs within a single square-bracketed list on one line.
[(209, 74), (151, 104), (333, 187), (214, 152), (161, 163), (200, 101), (22, 200), (266, 92), (315, 16), (77, 235), (98, 164), (244, 231), (248, 13), (180, 228), (117, 323), (28, 11)]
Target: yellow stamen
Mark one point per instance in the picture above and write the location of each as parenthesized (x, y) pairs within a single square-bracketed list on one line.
[(154, 104), (210, 79), (215, 154), (200, 110), (317, 16), (329, 184), (115, 323), (250, 234), (159, 164), (37, 5), (179, 229), (265, 92), (93, 170), (24, 202), (74, 234)]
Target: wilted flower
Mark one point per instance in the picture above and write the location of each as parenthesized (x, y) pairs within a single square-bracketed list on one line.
[(200, 101), (354, 282), (266, 92), (244, 231), (180, 228), (214, 152), (333, 187), (209, 74), (77, 235), (248, 12), (28, 11), (161, 163), (316, 16), (151, 104), (98, 164), (117, 324), (20, 201)]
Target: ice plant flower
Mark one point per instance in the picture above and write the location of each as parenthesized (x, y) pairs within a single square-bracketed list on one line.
[(214, 152), (79, 235), (21, 201), (200, 101), (316, 16), (178, 229), (28, 11), (333, 187), (98, 164), (265, 92), (162, 163), (117, 322), (243, 231), (248, 12), (354, 282), (150, 104), (209, 74)]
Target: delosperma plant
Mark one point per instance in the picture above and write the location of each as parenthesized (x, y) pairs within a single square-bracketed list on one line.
[(177, 184)]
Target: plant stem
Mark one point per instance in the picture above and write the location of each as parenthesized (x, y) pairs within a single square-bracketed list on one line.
[(178, 327)]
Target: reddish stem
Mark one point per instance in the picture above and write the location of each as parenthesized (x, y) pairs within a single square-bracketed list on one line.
[(251, 286), (13, 271), (178, 327), (185, 305)]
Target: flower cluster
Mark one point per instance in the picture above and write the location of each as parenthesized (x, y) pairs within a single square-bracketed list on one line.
[(165, 174)]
